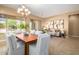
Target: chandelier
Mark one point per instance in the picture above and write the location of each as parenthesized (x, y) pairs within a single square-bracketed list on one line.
[(23, 11)]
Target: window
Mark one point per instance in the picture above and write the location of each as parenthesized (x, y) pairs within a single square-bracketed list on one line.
[(14, 25), (2, 28)]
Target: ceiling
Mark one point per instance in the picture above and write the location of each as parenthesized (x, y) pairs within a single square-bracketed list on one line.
[(46, 10)]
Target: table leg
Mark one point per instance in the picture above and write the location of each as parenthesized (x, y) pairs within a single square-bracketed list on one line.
[(26, 50)]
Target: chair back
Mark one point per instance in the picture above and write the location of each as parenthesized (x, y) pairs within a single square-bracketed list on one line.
[(42, 44), (12, 44), (38, 32)]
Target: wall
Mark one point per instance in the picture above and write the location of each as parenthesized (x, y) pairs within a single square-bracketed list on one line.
[(73, 25), (8, 11), (37, 21), (64, 16)]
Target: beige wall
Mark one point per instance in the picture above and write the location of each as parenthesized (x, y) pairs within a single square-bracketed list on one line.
[(37, 21), (73, 25), (8, 11), (64, 16)]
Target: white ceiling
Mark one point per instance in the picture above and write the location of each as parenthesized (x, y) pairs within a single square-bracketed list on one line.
[(46, 10)]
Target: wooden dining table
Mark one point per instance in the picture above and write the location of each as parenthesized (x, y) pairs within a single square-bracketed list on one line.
[(27, 39)]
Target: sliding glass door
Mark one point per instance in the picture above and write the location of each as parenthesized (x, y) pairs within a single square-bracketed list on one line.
[(14, 25), (2, 35), (2, 28)]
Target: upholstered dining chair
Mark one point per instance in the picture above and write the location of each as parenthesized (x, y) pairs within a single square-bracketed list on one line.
[(38, 32), (18, 31), (14, 47), (41, 47)]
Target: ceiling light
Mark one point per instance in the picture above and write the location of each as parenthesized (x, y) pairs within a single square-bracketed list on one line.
[(26, 10), (23, 11), (29, 12), (23, 6)]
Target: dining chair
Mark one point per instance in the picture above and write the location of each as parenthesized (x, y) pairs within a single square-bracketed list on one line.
[(18, 31), (41, 47), (38, 32), (14, 47), (32, 31)]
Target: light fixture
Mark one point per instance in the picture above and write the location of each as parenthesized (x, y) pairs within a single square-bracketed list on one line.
[(23, 11)]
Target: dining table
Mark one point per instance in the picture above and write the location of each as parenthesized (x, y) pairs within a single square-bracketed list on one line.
[(27, 39)]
